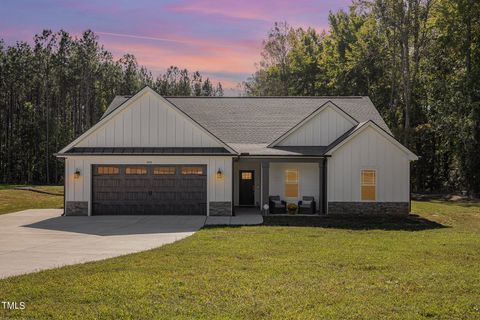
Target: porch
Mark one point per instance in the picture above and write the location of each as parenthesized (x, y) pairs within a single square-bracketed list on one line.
[(290, 179)]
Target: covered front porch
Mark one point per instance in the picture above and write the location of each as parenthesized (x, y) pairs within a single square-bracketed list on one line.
[(267, 185)]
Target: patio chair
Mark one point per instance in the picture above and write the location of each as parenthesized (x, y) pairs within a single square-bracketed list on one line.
[(276, 205), (307, 205)]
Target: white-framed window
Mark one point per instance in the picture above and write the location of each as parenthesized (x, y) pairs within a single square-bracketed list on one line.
[(291, 183), (368, 185)]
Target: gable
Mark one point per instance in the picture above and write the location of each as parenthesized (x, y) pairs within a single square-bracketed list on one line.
[(147, 120), (319, 129), (371, 140)]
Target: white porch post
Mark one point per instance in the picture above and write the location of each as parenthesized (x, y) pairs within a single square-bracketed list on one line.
[(265, 184)]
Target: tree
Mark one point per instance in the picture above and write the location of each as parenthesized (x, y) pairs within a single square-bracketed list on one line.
[(52, 92), (419, 62)]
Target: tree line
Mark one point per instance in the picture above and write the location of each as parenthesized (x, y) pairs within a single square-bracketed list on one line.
[(419, 62), (56, 88)]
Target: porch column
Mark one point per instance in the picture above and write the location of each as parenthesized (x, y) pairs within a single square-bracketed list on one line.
[(322, 186), (265, 183)]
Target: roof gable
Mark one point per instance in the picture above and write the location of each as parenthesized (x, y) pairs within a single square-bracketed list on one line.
[(320, 128), (147, 120), (358, 130)]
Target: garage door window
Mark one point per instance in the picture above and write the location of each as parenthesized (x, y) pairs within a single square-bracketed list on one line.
[(192, 170), (163, 170), (136, 170), (107, 170)]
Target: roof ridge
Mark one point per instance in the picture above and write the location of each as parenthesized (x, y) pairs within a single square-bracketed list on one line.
[(270, 97)]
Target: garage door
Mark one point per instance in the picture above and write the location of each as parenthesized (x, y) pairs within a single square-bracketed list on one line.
[(149, 190)]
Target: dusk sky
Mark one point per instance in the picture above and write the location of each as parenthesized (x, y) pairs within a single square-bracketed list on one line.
[(221, 39)]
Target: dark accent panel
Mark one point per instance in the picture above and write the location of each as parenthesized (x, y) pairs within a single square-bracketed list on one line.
[(76, 208), (220, 208), (246, 188), (147, 150), (284, 158), (303, 150), (149, 194), (368, 208)]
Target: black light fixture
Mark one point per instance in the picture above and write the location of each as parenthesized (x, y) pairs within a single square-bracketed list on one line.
[(219, 173), (77, 174)]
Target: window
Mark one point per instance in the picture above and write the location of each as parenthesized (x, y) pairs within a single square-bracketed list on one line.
[(368, 185), (192, 170), (164, 170), (136, 170), (107, 170), (291, 183), (247, 176)]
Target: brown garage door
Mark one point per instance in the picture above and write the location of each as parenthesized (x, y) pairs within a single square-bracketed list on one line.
[(149, 189)]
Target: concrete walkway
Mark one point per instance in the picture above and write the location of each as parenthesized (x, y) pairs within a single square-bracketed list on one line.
[(38, 239), (238, 220)]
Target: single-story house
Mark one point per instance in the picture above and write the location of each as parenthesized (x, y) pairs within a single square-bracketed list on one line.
[(150, 154)]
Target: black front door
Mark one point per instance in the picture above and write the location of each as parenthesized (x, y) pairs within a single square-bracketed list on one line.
[(247, 188)]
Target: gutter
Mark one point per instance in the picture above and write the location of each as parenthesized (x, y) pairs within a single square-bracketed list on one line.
[(64, 155)]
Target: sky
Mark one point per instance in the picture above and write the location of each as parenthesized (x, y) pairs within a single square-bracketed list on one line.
[(222, 39)]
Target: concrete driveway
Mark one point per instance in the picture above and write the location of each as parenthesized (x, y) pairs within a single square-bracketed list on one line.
[(38, 239)]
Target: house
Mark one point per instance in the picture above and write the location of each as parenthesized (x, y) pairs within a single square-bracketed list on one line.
[(209, 155)]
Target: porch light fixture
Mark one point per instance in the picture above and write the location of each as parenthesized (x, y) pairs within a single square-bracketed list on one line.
[(219, 174), (77, 174)]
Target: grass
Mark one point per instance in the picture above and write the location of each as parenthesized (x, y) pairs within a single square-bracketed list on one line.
[(12, 200), (339, 271)]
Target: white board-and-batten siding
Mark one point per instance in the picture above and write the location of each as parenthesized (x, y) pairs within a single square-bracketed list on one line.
[(369, 150), (149, 122), (80, 189), (321, 130)]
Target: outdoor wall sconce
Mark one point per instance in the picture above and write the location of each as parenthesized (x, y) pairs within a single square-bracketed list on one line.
[(219, 174), (77, 174)]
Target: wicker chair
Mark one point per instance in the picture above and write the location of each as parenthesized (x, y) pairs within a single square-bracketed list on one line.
[(307, 205), (276, 205)]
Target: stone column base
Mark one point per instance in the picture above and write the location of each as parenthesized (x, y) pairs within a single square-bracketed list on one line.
[(220, 208), (369, 208), (76, 208)]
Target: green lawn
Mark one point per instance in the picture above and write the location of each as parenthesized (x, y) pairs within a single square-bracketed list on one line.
[(338, 271), (12, 200)]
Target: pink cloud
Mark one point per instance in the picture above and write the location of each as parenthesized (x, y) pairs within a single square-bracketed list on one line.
[(206, 59), (218, 44), (253, 10)]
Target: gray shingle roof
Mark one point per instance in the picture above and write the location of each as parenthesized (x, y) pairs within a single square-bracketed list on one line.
[(116, 102), (249, 124), (263, 119), (262, 149)]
